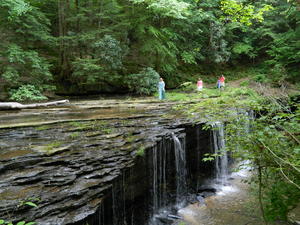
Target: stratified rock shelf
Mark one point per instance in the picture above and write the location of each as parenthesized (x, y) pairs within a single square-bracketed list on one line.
[(64, 159)]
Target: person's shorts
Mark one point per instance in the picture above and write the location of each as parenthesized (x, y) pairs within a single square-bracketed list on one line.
[(222, 84)]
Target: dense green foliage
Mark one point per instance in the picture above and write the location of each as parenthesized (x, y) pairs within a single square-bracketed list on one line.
[(272, 145), (24, 33), (96, 45), (268, 143), (26, 93), (145, 82)]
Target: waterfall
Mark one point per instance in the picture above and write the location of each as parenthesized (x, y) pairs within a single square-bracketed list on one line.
[(250, 118), (198, 152), (181, 173), (162, 174), (159, 179), (114, 205), (156, 185), (124, 201), (221, 161), (162, 163), (101, 214), (155, 181), (118, 201)]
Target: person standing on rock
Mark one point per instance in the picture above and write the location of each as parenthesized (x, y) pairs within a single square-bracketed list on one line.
[(161, 89), (199, 85)]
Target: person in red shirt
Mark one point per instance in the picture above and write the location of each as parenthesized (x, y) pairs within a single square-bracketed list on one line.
[(222, 82), (199, 85)]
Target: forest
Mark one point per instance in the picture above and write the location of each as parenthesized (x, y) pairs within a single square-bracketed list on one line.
[(78, 163), (75, 47)]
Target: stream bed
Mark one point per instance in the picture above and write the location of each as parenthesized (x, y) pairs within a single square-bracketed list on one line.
[(232, 204)]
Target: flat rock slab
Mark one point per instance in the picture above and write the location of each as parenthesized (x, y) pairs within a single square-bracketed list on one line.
[(65, 159), (84, 110)]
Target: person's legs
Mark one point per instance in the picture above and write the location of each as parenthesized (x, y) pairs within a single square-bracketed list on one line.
[(222, 85), (163, 94)]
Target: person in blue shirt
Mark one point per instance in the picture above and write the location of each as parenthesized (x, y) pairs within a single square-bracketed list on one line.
[(218, 84), (161, 89)]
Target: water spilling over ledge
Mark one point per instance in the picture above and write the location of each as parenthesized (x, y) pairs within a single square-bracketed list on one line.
[(86, 168)]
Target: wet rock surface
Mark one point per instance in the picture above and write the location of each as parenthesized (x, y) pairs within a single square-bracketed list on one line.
[(230, 204), (66, 159)]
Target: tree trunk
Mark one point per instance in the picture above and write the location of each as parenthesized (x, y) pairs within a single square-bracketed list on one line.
[(63, 7), (61, 31), (77, 5), (16, 105)]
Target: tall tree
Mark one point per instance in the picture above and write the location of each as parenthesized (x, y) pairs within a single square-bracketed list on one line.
[(24, 33)]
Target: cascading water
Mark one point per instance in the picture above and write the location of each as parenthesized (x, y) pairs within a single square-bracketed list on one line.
[(180, 162), (159, 178), (250, 118), (221, 161), (118, 202), (155, 181), (162, 175), (156, 186), (245, 119), (163, 160), (198, 157)]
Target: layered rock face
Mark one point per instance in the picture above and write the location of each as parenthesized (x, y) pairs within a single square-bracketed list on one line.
[(95, 167)]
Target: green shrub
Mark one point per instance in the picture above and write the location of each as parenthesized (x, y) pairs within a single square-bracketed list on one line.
[(53, 145), (87, 71), (27, 93), (177, 96), (143, 83), (279, 199), (261, 78), (109, 51), (188, 86), (141, 151), (279, 74), (210, 80), (74, 135), (245, 83), (24, 70)]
